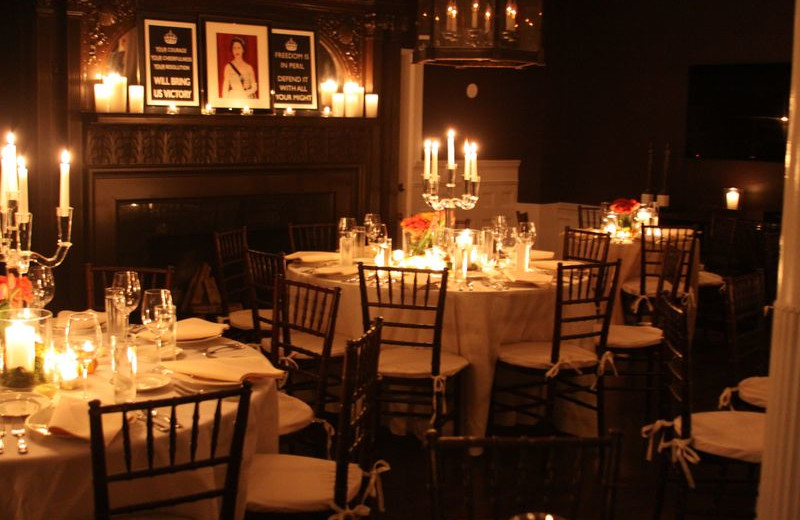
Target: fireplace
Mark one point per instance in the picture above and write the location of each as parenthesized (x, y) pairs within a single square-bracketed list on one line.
[(157, 192)]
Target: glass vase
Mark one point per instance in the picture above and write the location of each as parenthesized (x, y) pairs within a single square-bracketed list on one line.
[(25, 334)]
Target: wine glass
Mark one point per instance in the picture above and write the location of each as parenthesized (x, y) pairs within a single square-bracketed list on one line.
[(346, 225), (158, 314), (372, 223), (526, 232), (43, 285), (128, 281), (84, 338)]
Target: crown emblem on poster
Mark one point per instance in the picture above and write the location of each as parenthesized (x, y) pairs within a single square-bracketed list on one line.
[(170, 38), (291, 45)]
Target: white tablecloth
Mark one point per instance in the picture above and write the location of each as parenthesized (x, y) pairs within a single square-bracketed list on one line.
[(54, 480), (475, 324)]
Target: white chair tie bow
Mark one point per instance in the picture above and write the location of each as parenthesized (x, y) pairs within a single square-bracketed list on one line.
[(330, 433), (726, 396), (359, 511), (683, 453), (638, 302), (650, 431), (375, 484), (556, 368), (439, 387), (607, 359), (287, 361)]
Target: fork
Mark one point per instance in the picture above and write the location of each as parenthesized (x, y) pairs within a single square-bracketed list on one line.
[(22, 445)]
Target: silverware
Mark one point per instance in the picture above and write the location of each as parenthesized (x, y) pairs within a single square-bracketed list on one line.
[(165, 420), (158, 426), (22, 445)]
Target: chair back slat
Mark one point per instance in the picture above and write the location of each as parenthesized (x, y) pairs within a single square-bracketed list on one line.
[(590, 217), (261, 269), (305, 311), (654, 241), (746, 331), (313, 237), (567, 476), (104, 460), (411, 301), (585, 245), (229, 250), (358, 418), (676, 362)]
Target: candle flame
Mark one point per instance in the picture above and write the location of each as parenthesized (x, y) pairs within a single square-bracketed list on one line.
[(427, 143), (10, 138), (451, 133), (65, 157)]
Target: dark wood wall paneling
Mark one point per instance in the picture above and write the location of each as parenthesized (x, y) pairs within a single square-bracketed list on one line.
[(616, 80)]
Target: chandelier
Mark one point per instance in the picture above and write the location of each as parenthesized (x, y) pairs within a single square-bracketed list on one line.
[(480, 33)]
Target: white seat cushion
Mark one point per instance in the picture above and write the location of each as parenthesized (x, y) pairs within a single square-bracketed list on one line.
[(733, 435), (293, 414), (243, 319), (314, 343), (415, 362), (536, 354), (293, 484), (651, 286), (753, 390), (633, 336), (709, 279)]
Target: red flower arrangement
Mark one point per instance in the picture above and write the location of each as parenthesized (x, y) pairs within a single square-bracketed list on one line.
[(418, 231), (625, 206), (14, 292)]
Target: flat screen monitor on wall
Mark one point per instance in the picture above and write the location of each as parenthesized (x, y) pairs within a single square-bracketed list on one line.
[(738, 111)]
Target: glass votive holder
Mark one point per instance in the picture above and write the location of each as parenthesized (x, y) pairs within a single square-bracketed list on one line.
[(25, 335)]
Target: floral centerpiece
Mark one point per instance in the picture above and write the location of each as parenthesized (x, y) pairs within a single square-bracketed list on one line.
[(15, 292), (418, 232), (624, 221)]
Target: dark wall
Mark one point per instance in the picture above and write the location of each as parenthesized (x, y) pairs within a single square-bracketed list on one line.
[(616, 81)]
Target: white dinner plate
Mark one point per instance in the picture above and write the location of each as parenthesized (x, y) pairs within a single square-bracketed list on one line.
[(21, 404), (198, 340), (152, 381)]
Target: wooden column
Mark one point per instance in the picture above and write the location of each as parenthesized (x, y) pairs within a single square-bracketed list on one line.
[(779, 490)]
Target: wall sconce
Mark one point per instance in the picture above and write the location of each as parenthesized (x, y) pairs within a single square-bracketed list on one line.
[(732, 196)]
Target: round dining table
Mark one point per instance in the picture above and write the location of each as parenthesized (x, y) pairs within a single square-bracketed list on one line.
[(54, 479)]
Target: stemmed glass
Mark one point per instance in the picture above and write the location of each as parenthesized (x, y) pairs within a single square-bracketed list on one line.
[(128, 281), (84, 337), (526, 237), (372, 223), (44, 285), (500, 225), (158, 314)]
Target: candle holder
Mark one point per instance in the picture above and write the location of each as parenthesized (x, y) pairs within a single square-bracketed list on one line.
[(448, 200), (25, 334)]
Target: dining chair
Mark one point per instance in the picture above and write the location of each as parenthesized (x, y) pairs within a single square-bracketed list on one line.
[(229, 251), (313, 237), (639, 292), (704, 453), (282, 484), (530, 376), (261, 270), (585, 245), (415, 372), (746, 332), (304, 343), (572, 477), (99, 277), (193, 449), (522, 216), (590, 217)]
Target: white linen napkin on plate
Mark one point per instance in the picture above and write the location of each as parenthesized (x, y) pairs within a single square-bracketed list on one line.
[(314, 256), (71, 412), (529, 276), (233, 369), (552, 265), (343, 270), (63, 316), (196, 328), (538, 254)]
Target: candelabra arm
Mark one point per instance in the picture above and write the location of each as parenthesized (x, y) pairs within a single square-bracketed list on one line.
[(56, 259)]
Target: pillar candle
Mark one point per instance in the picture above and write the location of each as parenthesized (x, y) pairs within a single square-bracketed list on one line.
[(118, 99), (426, 170), (487, 20), (63, 199), (474, 19), (511, 16), (371, 105), (102, 97), (326, 91), (20, 346), (22, 173), (338, 104), (452, 14), (732, 198), (136, 99)]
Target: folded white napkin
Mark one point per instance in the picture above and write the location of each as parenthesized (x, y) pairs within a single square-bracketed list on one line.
[(71, 412), (313, 256), (196, 328), (552, 265), (233, 369), (344, 270), (538, 254), (63, 316), (529, 276)]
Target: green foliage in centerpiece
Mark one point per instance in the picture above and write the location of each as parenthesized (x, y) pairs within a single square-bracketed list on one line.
[(418, 232), (16, 293), (625, 209)]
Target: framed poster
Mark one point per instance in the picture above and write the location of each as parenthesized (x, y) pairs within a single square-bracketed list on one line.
[(237, 64), (294, 68), (170, 49)]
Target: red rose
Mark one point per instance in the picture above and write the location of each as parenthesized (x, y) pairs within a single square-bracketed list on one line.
[(624, 206)]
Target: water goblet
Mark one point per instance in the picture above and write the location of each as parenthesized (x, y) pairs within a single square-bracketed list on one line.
[(372, 223), (158, 314), (43, 285), (129, 282), (84, 338)]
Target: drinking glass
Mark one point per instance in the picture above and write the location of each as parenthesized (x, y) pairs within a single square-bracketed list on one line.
[(129, 282), (526, 237), (372, 223), (84, 338), (43, 285), (526, 233), (158, 314), (346, 225)]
